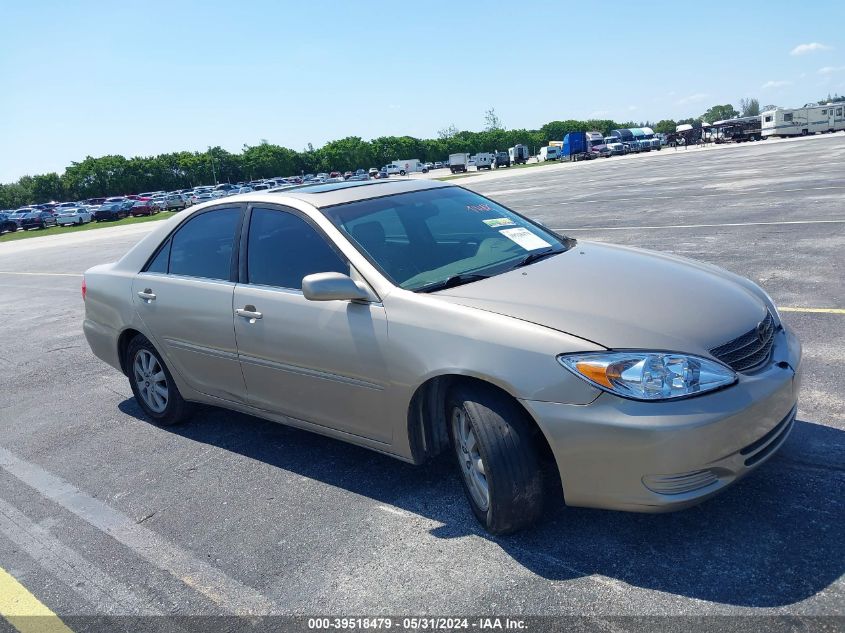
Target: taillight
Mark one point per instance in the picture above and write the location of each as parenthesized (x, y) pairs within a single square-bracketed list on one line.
[(84, 289)]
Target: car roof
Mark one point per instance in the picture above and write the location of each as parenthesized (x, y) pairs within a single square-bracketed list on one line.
[(333, 193)]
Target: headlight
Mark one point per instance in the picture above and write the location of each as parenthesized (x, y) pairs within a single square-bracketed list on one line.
[(648, 375)]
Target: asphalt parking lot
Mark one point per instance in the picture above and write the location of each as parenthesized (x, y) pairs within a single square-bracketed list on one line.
[(103, 513)]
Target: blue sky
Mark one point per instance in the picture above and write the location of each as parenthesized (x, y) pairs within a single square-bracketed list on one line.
[(141, 78)]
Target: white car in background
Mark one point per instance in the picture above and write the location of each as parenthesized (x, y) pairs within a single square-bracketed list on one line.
[(73, 216), (199, 198)]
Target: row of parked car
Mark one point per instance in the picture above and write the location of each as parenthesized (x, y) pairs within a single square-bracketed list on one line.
[(101, 209), (42, 216)]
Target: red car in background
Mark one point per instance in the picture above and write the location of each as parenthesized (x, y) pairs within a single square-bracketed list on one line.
[(143, 206)]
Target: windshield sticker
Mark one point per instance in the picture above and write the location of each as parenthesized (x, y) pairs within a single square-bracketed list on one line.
[(525, 238), (494, 222), (478, 208)]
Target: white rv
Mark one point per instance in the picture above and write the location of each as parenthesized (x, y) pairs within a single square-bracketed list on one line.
[(803, 121)]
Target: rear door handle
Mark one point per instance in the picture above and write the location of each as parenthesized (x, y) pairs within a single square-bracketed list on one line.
[(249, 312), (147, 295)]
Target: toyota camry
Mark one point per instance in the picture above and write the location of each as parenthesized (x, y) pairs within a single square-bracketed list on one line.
[(417, 317)]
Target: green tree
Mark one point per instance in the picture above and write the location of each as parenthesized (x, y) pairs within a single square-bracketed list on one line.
[(749, 107), (492, 121), (665, 126), (719, 113)]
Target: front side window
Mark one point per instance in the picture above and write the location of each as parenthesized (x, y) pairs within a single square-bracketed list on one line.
[(423, 239), (203, 246), (283, 248), (769, 119)]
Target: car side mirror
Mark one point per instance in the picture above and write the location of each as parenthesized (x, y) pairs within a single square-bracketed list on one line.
[(333, 287)]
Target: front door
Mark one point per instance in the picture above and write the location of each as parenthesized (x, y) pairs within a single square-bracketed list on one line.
[(322, 362), (184, 297)]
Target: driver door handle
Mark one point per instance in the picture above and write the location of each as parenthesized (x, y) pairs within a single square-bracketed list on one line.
[(147, 295), (248, 312)]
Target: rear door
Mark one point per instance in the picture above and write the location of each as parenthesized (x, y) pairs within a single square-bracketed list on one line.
[(319, 361), (184, 297)]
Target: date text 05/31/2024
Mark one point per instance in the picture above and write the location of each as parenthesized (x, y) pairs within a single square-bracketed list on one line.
[(416, 623)]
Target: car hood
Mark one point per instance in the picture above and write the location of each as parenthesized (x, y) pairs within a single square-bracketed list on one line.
[(622, 298)]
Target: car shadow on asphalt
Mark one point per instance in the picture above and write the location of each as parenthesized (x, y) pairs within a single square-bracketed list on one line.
[(773, 539)]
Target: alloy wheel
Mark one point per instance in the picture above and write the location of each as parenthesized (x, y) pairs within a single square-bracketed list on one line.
[(150, 380), (469, 457)]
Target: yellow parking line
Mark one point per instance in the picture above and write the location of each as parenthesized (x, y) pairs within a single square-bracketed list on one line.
[(24, 611), (814, 310)]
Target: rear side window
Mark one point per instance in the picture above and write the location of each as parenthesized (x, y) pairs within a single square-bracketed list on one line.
[(160, 261), (283, 248), (204, 246)]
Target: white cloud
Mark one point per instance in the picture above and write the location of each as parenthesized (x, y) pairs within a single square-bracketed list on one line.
[(812, 47), (597, 114), (775, 84), (829, 70), (631, 108), (693, 98)]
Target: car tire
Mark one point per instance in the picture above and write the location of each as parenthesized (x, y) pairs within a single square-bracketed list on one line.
[(494, 446), (144, 366)]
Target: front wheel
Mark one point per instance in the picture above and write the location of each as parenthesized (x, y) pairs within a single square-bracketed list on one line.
[(494, 445), (153, 385)]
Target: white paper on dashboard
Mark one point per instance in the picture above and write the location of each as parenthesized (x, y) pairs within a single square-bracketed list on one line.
[(525, 238)]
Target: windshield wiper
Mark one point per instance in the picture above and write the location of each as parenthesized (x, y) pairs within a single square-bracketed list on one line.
[(451, 282), (536, 256)]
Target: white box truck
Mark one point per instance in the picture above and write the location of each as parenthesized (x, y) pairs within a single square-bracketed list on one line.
[(458, 162), (407, 166), (483, 160)]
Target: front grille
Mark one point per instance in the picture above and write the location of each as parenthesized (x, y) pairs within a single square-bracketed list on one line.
[(750, 350)]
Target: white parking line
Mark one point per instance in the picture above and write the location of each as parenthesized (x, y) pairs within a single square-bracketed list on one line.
[(13, 272), (228, 593), (697, 194), (697, 226), (99, 589)]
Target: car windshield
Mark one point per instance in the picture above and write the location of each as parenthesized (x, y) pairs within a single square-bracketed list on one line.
[(424, 239)]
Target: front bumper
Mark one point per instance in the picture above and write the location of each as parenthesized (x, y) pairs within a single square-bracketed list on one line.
[(659, 456)]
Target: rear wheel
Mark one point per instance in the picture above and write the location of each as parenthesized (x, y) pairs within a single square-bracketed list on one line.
[(494, 446), (153, 385)]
